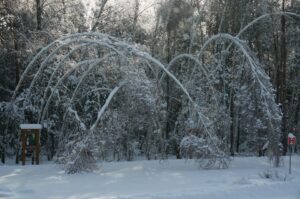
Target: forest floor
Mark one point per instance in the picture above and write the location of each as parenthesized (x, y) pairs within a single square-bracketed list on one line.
[(247, 178)]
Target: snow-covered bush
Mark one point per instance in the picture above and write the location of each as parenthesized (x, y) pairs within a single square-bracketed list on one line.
[(81, 158), (193, 147), (274, 175)]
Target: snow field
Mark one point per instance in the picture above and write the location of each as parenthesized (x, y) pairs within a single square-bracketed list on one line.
[(170, 179)]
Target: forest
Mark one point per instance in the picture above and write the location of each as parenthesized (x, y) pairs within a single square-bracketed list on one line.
[(127, 80)]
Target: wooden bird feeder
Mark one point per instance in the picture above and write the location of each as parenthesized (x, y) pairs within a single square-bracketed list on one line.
[(30, 140)]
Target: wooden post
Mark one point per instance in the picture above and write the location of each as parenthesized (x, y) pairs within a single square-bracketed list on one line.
[(37, 146), (290, 161), (24, 139)]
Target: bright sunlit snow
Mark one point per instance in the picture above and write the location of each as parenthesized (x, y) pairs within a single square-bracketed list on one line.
[(172, 179)]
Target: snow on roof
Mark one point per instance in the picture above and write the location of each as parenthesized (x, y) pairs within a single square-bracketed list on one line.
[(290, 135), (30, 126)]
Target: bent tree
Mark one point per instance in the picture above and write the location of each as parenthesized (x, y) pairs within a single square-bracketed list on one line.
[(100, 97)]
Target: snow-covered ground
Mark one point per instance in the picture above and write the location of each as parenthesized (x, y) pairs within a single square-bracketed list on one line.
[(171, 179)]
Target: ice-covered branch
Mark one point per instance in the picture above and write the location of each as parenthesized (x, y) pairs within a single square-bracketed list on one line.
[(87, 72), (96, 62), (187, 56), (104, 107), (51, 55), (80, 82), (58, 66), (103, 37), (28, 68), (204, 120), (82, 125), (6, 90), (70, 71), (263, 17), (198, 63), (256, 70), (258, 19)]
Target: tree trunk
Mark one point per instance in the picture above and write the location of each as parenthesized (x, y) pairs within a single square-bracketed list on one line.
[(17, 61), (64, 7), (236, 128), (297, 113), (168, 125), (231, 124), (103, 3), (136, 13), (135, 19), (2, 153), (39, 11), (277, 65), (282, 78)]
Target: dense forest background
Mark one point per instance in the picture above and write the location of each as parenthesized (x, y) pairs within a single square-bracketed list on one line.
[(150, 117)]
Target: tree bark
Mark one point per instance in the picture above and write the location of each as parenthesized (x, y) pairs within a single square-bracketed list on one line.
[(282, 78), (64, 7), (135, 19), (168, 125), (297, 113), (100, 14), (136, 13), (39, 11), (231, 124), (236, 128), (2, 153), (16, 60), (277, 74)]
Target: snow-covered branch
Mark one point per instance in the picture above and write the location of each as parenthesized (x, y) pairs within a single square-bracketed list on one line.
[(82, 125), (70, 71), (104, 107)]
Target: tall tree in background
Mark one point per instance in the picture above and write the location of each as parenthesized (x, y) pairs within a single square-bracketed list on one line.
[(99, 15), (173, 16), (281, 77), (39, 12), (293, 71)]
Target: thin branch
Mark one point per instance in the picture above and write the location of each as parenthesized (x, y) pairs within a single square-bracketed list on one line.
[(104, 107), (82, 125)]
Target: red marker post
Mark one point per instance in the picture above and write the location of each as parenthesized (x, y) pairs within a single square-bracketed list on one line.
[(291, 144)]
